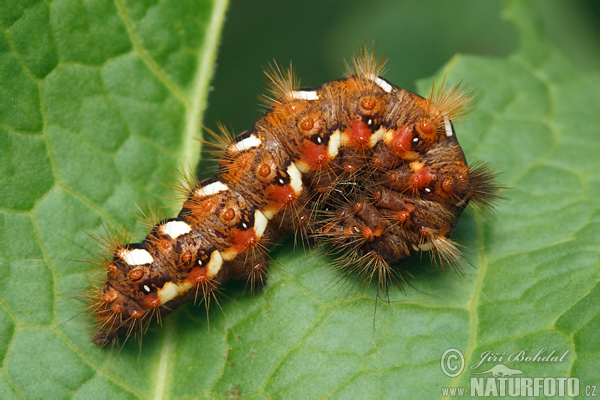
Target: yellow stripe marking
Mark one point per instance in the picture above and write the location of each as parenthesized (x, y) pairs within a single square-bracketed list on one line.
[(335, 142), (376, 137), (172, 290), (295, 178), (260, 224), (214, 265)]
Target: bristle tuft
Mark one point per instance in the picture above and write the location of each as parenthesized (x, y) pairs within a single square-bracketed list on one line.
[(150, 216), (448, 103), (219, 141), (112, 239), (282, 82), (446, 252), (484, 192), (186, 181), (367, 64)]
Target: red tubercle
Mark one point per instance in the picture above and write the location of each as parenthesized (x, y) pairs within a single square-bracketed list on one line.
[(403, 215), (307, 124), (401, 140), (244, 239), (264, 170), (229, 214), (197, 274), (186, 256), (358, 206), (109, 295), (116, 307), (368, 103), (358, 133), (448, 185), (282, 194), (426, 232), (201, 209), (112, 269), (314, 155), (151, 300), (239, 166), (350, 168), (421, 178), (163, 245), (426, 127), (135, 274), (370, 233)]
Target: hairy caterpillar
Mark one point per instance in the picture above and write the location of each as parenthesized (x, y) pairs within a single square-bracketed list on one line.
[(369, 167)]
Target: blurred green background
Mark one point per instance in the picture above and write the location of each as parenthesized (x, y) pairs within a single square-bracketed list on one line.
[(418, 38)]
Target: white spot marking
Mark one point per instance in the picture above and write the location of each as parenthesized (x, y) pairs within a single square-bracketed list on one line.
[(427, 190), (245, 225), (370, 122), (319, 139), (304, 95), (211, 189), (448, 126), (381, 83), (335, 142), (260, 224), (295, 179), (136, 256), (281, 181), (376, 137), (214, 265), (245, 144), (415, 140), (147, 288), (174, 229)]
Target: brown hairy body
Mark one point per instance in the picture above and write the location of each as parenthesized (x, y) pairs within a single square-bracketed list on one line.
[(359, 163)]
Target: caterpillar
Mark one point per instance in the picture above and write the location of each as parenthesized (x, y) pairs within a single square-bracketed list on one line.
[(368, 167)]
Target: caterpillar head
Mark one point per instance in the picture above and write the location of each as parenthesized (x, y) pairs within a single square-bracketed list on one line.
[(129, 297)]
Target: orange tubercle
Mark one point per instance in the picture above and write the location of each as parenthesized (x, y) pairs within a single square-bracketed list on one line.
[(402, 216), (368, 103), (426, 127)]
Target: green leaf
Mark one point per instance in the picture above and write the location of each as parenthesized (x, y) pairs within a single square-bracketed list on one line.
[(101, 101)]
